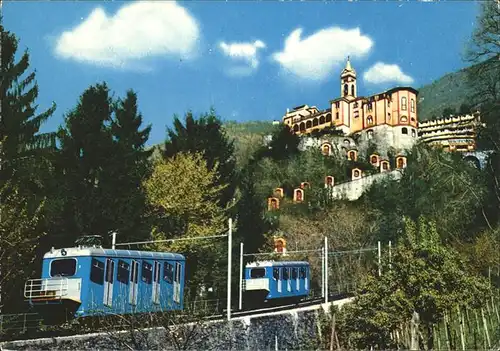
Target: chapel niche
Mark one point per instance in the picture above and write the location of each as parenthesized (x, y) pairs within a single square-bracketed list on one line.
[(273, 204), (298, 195)]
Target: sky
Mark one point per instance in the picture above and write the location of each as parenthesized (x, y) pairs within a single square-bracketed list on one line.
[(250, 60)]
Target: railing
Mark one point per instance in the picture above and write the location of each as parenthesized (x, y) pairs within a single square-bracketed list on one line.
[(46, 288), (22, 322), (205, 307)]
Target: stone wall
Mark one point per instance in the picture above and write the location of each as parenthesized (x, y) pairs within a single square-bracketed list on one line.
[(297, 329), (353, 189)]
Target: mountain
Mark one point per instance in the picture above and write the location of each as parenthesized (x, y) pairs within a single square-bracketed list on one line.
[(449, 91)]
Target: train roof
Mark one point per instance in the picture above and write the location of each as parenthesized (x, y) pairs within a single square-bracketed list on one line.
[(99, 251), (276, 264)]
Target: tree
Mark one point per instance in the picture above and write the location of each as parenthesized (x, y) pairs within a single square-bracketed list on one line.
[(183, 195), (284, 144), (24, 170), (464, 109), (447, 111), (205, 135), (425, 280), (252, 224), (484, 52), (433, 183), (84, 162), (20, 140), (130, 166), (20, 231)]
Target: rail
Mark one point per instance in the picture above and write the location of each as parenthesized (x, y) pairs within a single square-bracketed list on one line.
[(45, 288)]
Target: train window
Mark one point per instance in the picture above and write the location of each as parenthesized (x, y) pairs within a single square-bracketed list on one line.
[(285, 273), (294, 273), (123, 272), (258, 273), (97, 272), (147, 272), (302, 272), (168, 272), (276, 273), (65, 267)]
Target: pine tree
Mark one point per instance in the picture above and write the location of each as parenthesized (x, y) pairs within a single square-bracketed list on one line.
[(284, 145), (20, 140), (207, 136), (131, 167), (252, 225), (24, 170), (84, 160)]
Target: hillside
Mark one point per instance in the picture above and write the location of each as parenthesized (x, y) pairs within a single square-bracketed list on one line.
[(451, 90)]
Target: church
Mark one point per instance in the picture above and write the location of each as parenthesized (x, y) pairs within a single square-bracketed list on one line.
[(389, 117)]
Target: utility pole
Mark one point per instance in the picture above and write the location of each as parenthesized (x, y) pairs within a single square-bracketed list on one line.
[(326, 269), (379, 260), (240, 305), (229, 259), (113, 240)]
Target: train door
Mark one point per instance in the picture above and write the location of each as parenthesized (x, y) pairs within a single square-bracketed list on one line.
[(302, 277), (156, 282), (276, 277), (134, 274), (306, 277), (108, 282), (177, 282), (289, 280), (295, 276)]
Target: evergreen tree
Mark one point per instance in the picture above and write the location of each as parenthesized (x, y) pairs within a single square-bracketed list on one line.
[(20, 140), (252, 224), (207, 136), (130, 167), (284, 144), (24, 171), (84, 161)]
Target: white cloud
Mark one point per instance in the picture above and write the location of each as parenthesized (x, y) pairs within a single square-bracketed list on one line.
[(138, 30), (242, 52), (385, 73), (315, 57)]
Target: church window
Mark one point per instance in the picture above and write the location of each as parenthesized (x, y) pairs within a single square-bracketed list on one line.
[(356, 114), (404, 119), (369, 120), (328, 118), (352, 90), (412, 105), (346, 89), (337, 115), (370, 107), (337, 104), (404, 131), (403, 103), (356, 104)]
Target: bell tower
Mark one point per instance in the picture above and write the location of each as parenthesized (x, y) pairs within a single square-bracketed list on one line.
[(348, 87)]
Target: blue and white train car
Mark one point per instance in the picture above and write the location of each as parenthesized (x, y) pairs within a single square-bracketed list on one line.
[(88, 281), (275, 281)]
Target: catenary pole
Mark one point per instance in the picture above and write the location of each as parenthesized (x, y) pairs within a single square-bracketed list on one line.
[(229, 259), (240, 305), (326, 269)]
